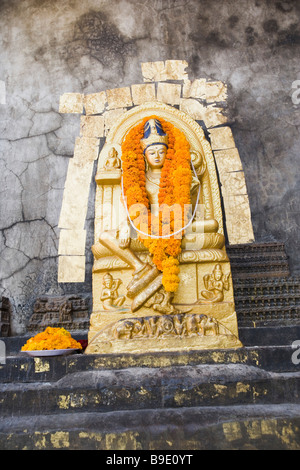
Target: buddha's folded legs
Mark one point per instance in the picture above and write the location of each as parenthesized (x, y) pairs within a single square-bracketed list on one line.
[(146, 280), (109, 240)]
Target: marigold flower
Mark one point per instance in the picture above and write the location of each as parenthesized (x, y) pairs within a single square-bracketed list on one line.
[(51, 338), (175, 183)]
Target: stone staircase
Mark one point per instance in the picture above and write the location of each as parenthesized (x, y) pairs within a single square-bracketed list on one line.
[(247, 398)]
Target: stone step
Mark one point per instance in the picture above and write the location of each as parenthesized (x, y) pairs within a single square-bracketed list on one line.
[(270, 335), (258, 261), (246, 427), (25, 369), (268, 316), (143, 388)]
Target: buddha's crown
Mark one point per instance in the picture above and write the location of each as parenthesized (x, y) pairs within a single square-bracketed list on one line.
[(153, 134)]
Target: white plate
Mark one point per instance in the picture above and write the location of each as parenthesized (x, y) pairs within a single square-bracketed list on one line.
[(50, 352)]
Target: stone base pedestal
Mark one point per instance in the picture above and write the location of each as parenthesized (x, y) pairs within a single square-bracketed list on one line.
[(195, 330)]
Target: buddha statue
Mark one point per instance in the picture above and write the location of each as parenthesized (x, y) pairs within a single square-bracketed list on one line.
[(112, 161), (154, 145), (163, 257)]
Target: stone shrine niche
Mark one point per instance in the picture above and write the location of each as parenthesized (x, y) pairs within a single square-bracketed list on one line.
[(70, 312), (155, 290)]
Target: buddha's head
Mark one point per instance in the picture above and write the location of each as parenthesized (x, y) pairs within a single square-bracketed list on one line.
[(154, 144), (112, 153), (218, 272)]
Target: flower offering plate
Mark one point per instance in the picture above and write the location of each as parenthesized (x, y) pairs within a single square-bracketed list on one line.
[(50, 352)]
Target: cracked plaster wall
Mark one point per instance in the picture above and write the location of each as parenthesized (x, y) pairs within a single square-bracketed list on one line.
[(51, 48)]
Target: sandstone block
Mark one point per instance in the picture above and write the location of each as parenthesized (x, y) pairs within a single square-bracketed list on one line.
[(233, 183), (92, 126), (76, 193), (71, 269), (154, 71), (95, 103), (143, 93), (194, 89), (119, 98), (169, 93), (221, 138), (216, 91), (110, 117), (214, 116), (238, 219), (193, 108), (175, 69), (210, 115), (71, 103), (86, 149), (72, 242), (228, 160)]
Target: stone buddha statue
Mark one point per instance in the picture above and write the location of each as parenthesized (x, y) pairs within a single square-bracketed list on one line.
[(146, 302), (147, 278)]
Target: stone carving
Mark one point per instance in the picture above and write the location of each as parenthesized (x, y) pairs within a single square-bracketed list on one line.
[(70, 312), (112, 162), (161, 302), (4, 316), (147, 279), (264, 291), (162, 326), (160, 273), (215, 284), (259, 260), (65, 312), (267, 301), (198, 162), (109, 296)]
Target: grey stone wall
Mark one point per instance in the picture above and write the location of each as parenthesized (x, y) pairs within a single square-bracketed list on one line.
[(51, 48)]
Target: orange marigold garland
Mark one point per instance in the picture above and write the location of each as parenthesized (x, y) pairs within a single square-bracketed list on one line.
[(51, 338), (175, 183)]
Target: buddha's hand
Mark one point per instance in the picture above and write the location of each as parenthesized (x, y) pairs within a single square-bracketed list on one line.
[(124, 237)]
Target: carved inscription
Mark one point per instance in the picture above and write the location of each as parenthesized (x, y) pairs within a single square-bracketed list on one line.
[(164, 326)]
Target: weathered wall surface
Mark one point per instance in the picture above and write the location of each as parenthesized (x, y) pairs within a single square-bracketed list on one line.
[(51, 48)]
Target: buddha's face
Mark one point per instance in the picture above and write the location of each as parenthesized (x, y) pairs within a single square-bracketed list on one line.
[(112, 153), (156, 155), (107, 281)]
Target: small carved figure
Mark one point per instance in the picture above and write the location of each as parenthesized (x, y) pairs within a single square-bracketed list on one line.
[(65, 311), (109, 296), (164, 326), (191, 325), (208, 324), (124, 330), (179, 325), (112, 161), (161, 302), (215, 284)]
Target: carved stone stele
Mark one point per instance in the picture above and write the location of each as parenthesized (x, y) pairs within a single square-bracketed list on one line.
[(132, 311)]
